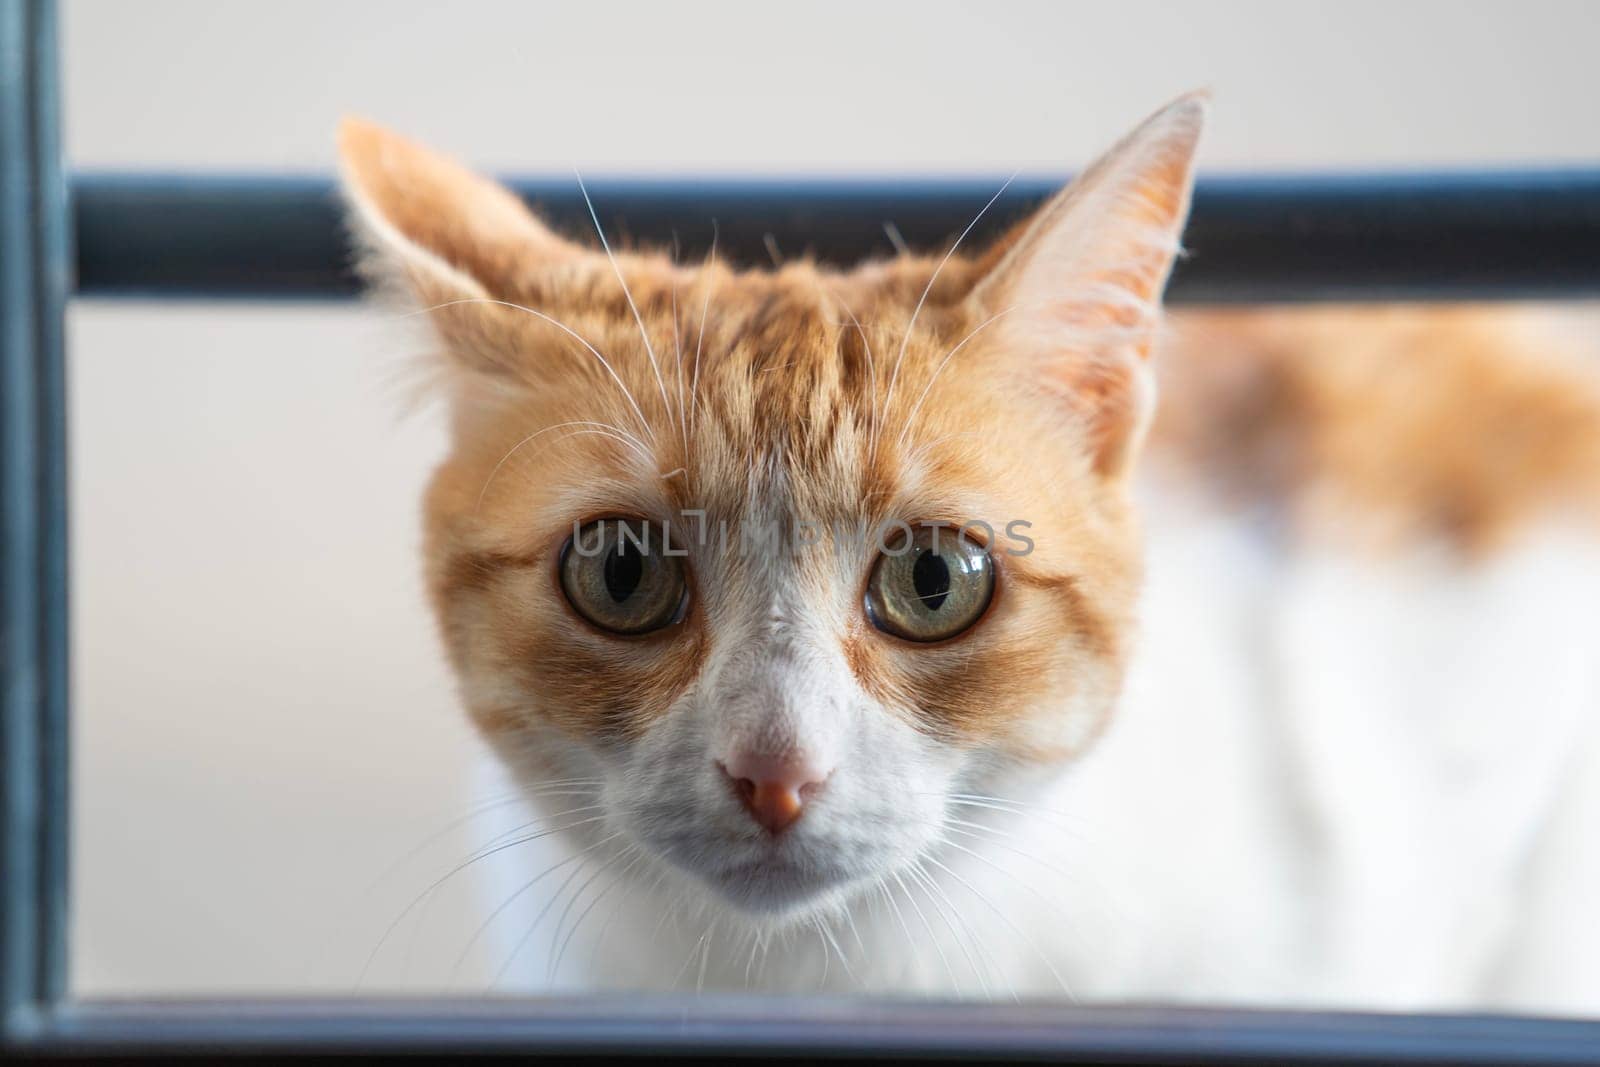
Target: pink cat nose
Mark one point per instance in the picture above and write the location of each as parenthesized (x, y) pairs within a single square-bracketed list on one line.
[(773, 789)]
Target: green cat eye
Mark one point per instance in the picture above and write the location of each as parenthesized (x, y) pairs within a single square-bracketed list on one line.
[(930, 586), (617, 573)]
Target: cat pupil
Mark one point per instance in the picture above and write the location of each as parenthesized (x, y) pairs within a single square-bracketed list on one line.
[(624, 568), (930, 575)]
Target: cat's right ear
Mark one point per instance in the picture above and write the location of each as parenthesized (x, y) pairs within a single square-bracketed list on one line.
[(1076, 291), (436, 237)]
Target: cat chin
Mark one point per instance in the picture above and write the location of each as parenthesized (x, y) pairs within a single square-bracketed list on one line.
[(779, 896), (771, 892)]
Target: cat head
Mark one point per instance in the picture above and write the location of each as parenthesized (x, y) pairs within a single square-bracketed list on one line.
[(772, 563)]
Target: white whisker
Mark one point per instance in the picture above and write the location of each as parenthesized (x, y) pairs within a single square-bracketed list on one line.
[(677, 348), (896, 238), (483, 928), (484, 851), (905, 340), (705, 960), (926, 925), (627, 294), (705, 306), (940, 900), (755, 943), (622, 902), (827, 957), (1022, 939), (516, 950), (912, 414), (899, 916), (558, 952), (927, 446), (872, 375), (844, 961), (569, 331), (427, 893), (603, 429)]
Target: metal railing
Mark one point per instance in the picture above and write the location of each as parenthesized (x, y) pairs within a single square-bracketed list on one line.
[(1417, 236), (34, 273), (1396, 237)]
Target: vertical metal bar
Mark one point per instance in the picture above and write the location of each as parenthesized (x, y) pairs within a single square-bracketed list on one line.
[(34, 281)]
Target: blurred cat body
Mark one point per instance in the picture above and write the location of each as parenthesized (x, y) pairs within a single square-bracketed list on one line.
[(1289, 699)]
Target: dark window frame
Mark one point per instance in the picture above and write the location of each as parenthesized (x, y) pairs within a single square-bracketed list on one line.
[(1358, 237)]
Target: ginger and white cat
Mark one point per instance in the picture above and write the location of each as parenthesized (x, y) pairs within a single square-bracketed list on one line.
[(876, 630)]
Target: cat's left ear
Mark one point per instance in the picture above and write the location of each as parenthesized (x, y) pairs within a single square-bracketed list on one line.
[(1077, 289), (437, 237)]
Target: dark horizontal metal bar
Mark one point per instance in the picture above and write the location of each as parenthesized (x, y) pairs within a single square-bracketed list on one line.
[(1453, 235), (679, 1026)]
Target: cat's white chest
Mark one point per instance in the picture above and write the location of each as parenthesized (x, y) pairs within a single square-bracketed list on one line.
[(1332, 778)]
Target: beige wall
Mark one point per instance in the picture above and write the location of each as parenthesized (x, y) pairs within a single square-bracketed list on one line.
[(262, 721)]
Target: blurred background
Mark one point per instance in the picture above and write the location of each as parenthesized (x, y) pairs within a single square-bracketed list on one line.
[(263, 725)]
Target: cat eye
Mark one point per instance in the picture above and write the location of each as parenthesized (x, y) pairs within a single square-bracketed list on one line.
[(618, 574), (931, 585)]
